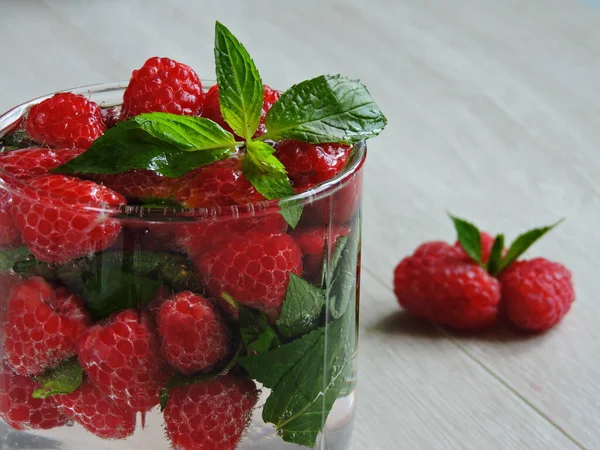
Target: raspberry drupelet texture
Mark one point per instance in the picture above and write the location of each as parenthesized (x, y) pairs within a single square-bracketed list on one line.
[(195, 336), (163, 85), (101, 415), (122, 358), (65, 120), (136, 184), (212, 108), (439, 283), (20, 410), (536, 294), (210, 415), (56, 218), (35, 162), (42, 326), (252, 267)]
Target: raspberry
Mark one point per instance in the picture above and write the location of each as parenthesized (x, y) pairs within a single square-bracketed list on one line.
[(212, 108), (210, 415), (20, 410), (42, 326), (487, 241), (163, 85), (97, 413), (34, 162), (439, 284), (194, 335), (65, 120), (312, 243), (536, 294), (308, 164), (219, 184), (9, 234), (122, 358), (136, 184), (56, 219), (252, 267)]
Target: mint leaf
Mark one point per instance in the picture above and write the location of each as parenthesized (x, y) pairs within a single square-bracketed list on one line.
[(493, 264), (112, 290), (168, 144), (330, 265), (65, 379), (302, 307), (241, 92), (9, 258), (328, 108), (291, 212), (468, 237), (523, 242), (149, 202), (265, 171), (345, 276), (257, 334)]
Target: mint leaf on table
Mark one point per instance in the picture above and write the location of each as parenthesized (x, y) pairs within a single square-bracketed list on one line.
[(302, 307), (111, 290), (523, 242), (266, 173), (168, 144), (493, 264), (65, 379), (328, 108), (468, 237), (241, 92)]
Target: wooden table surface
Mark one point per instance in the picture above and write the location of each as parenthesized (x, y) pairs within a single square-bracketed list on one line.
[(493, 111)]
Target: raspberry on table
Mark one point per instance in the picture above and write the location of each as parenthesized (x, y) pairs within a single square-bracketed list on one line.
[(42, 326), (65, 120), (101, 415), (212, 108), (536, 294), (211, 415), (55, 215), (35, 162), (20, 410), (136, 184), (439, 284), (252, 267), (195, 337), (122, 358), (314, 242), (163, 85)]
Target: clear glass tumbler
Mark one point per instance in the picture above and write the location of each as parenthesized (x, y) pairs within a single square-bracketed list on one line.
[(285, 375)]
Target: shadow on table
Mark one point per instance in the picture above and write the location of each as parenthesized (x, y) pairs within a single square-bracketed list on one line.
[(403, 323)]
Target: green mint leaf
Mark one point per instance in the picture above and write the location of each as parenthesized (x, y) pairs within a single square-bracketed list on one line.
[(168, 144), (330, 265), (342, 289), (291, 212), (65, 379), (493, 264), (302, 307), (241, 92), (149, 202), (523, 242), (265, 171), (112, 290), (17, 257), (329, 108), (468, 237), (257, 334)]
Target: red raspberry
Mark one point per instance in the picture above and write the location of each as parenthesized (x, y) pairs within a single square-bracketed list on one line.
[(9, 234), (487, 241), (252, 267), (219, 184), (42, 326), (437, 283), (136, 184), (122, 358), (99, 414), (65, 120), (536, 294), (211, 415), (212, 108), (163, 85), (20, 410), (312, 244), (308, 164), (194, 335), (56, 218), (34, 162)]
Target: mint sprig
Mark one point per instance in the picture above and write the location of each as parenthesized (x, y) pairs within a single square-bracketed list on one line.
[(241, 92), (65, 379), (302, 307), (468, 237), (265, 171)]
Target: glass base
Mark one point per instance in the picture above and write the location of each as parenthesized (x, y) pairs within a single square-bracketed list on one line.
[(260, 436)]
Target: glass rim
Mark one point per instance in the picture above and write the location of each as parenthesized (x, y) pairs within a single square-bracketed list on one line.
[(136, 212)]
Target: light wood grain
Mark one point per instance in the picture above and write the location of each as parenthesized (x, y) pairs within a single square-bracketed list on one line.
[(494, 115)]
